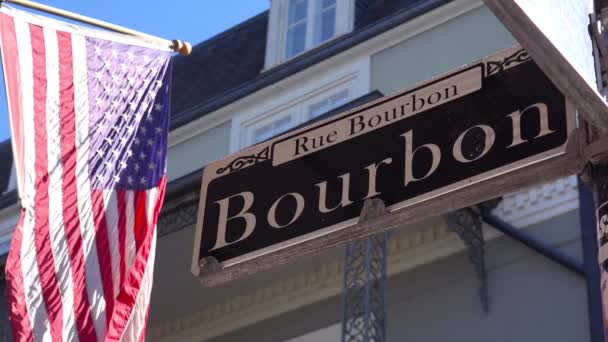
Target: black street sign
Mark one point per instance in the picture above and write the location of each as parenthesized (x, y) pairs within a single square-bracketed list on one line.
[(454, 132)]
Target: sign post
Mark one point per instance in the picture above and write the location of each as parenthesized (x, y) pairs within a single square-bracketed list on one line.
[(494, 126)]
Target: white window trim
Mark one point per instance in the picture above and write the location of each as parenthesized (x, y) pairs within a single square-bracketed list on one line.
[(297, 110), (249, 128), (354, 76), (276, 40)]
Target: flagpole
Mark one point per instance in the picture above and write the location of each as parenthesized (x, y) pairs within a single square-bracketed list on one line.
[(184, 48)]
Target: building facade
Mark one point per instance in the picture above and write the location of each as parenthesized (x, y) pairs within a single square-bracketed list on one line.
[(295, 63)]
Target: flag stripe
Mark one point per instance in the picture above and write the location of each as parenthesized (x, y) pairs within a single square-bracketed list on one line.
[(14, 277), (151, 200), (83, 187), (155, 196), (142, 336), (11, 76), (136, 330), (122, 236), (127, 298), (111, 211), (130, 235), (85, 327), (31, 277), (32, 284), (20, 323), (103, 249), (44, 254), (140, 228), (155, 200), (55, 170)]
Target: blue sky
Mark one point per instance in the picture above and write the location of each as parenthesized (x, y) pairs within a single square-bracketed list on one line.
[(190, 20)]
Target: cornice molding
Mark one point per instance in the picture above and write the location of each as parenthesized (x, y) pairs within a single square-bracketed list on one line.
[(539, 203)]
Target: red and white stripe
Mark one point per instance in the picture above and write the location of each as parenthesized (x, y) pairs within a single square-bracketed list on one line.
[(81, 260)]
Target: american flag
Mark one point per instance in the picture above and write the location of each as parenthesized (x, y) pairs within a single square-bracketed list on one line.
[(89, 113)]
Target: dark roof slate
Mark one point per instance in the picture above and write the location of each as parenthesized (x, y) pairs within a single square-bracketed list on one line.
[(6, 159), (369, 11), (219, 64)]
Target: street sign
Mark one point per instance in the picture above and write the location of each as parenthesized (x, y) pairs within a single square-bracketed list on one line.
[(556, 34), (487, 128)]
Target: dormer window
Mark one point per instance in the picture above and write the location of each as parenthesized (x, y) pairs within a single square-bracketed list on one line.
[(309, 23), (296, 26)]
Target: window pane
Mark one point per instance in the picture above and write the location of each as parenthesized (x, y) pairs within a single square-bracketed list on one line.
[(339, 99), (272, 129), (325, 20), (282, 125), (262, 134), (328, 25), (327, 3), (326, 105), (317, 109), (296, 39), (297, 10)]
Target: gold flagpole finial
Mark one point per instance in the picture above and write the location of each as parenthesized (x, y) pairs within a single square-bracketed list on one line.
[(182, 47)]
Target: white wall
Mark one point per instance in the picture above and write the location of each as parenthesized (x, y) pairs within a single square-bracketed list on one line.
[(457, 42)]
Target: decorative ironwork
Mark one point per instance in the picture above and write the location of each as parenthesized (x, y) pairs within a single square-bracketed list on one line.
[(467, 224), (518, 57), (244, 161), (364, 295), (178, 218)]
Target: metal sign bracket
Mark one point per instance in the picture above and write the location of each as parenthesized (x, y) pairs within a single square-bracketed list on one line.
[(365, 276), (467, 224), (208, 265)]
